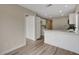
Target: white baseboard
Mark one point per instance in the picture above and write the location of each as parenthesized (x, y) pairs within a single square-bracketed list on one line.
[(9, 50), (31, 39)]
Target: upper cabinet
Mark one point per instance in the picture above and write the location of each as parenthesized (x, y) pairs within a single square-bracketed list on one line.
[(72, 18)]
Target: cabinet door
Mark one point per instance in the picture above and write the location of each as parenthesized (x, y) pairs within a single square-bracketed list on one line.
[(49, 24)]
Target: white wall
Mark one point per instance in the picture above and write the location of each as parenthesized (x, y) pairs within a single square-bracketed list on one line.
[(30, 27), (33, 27), (37, 27), (60, 23), (12, 27)]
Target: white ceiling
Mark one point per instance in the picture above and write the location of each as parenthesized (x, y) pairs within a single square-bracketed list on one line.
[(56, 10)]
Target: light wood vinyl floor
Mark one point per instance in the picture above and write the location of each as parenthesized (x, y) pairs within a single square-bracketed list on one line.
[(39, 48)]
